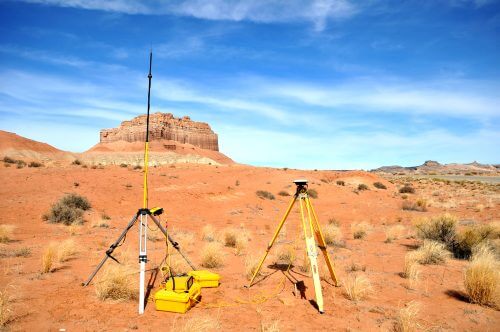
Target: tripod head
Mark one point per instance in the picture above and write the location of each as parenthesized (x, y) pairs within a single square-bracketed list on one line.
[(301, 186)]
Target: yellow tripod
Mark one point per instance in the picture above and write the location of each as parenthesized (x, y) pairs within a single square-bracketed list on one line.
[(312, 230)]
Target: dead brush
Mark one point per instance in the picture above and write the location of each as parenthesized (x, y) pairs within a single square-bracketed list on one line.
[(230, 237), (432, 252), (270, 326), (285, 255), (442, 228), (48, 258), (360, 230), (66, 250), (357, 287), (212, 255), (115, 283), (6, 233), (482, 279), (411, 270), (393, 233), (407, 318)]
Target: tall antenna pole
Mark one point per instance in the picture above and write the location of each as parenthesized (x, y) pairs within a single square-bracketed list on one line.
[(143, 226), (146, 146)]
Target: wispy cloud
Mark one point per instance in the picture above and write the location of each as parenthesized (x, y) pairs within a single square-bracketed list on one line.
[(266, 11)]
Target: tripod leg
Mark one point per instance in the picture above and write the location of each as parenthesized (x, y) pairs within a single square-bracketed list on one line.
[(321, 242), (276, 233), (111, 249), (174, 244), (312, 253)]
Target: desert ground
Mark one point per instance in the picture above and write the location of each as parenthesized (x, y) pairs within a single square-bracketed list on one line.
[(197, 198)]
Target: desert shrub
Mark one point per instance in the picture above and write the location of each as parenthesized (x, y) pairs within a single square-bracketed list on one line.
[(379, 185), (76, 162), (362, 187), (35, 164), (393, 233), (137, 167), (264, 194), (442, 228), (66, 250), (101, 223), (340, 183), (123, 165), (68, 210), (20, 163), (334, 221), (241, 244), (115, 283), (251, 265), (212, 255), (9, 160), (48, 258), (406, 320), (6, 233), (420, 205), (482, 279), (104, 216), (357, 288), (360, 230), (431, 252), (471, 237), (333, 235), (208, 233), (312, 193), (407, 189), (283, 193)]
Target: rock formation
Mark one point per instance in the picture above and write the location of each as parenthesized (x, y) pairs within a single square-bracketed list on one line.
[(164, 126)]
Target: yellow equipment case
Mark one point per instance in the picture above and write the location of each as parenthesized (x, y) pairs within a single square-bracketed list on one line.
[(178, 295), (205, 279)]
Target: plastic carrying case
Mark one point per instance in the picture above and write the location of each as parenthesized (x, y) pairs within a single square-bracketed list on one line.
[(178, 295), (205, 279)]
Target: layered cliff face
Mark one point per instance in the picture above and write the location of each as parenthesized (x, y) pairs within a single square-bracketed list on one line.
[(163, 126)]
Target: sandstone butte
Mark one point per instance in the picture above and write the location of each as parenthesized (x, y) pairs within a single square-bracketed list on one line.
[(164, 126)]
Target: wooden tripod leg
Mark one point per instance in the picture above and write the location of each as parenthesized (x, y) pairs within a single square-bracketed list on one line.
[(276, 233), (312, 253), (321, 242)]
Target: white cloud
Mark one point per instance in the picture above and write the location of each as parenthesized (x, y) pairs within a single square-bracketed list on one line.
[(268, 11)]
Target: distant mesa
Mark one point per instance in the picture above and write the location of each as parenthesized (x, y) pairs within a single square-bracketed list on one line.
[(164, 126), (433, 167)]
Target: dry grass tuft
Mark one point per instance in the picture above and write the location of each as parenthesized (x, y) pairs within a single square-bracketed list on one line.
[(411, 268), (48, 258), (5, 308), (185, 238), (419, 205), (100, 223), (115, 283), (285, 255), (393, 233), (305, 264), (198, 323), (66, 250), (230, 237), (272, 326), (357, 288), (360, 230), (407, 318), (432, 252), (482, 278), (178, 265), (208, 233), (471, 237), (212, 255), (155, 235), (333, 235), (251, 265), (6, 233)]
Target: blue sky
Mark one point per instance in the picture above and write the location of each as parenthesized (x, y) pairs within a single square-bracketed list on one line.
[(326, 84)]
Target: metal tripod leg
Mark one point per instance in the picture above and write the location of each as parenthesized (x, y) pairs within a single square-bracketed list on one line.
[(111, 249), (276, 233), (174, 244), (322, 242)]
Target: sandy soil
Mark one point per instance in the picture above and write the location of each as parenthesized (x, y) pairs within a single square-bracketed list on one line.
[(224, 196)]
